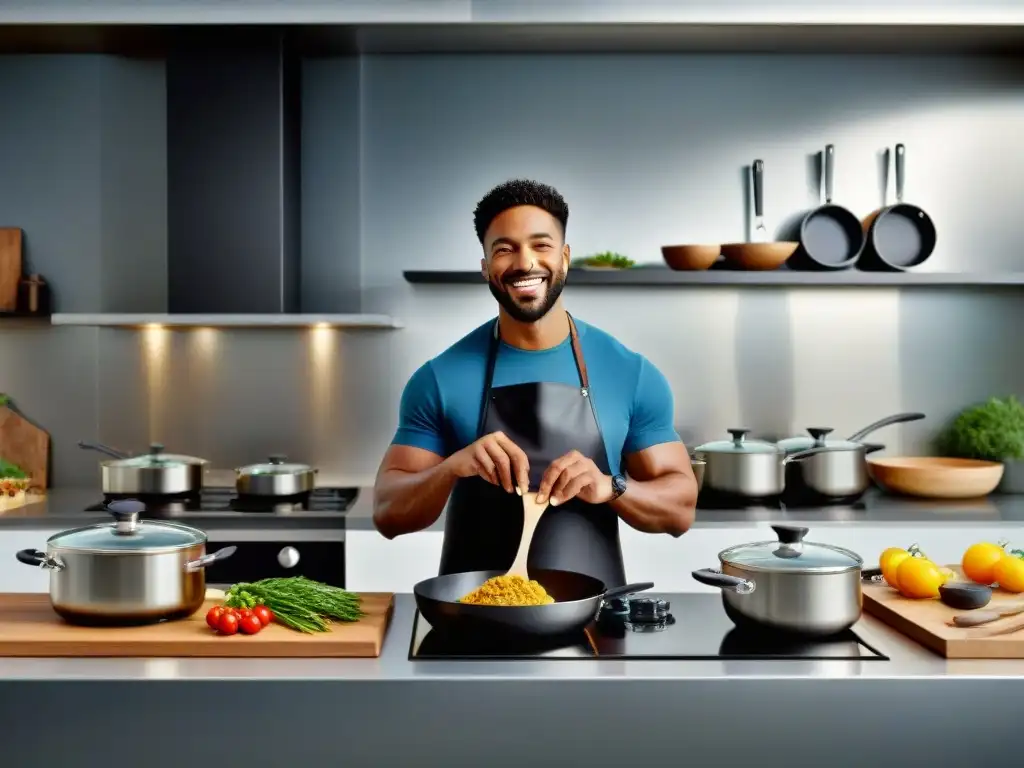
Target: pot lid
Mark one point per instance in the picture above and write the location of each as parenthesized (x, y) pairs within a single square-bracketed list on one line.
[(791, 553), (738, 444), (157, 459), (129, 534), (275, 465), (816, 437)]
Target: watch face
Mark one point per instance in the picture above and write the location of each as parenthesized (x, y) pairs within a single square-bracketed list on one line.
[(619, 484)]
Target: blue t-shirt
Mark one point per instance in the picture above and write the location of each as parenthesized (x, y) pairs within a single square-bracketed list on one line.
[(440, 407)]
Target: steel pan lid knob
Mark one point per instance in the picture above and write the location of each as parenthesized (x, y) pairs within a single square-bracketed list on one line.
[(277, 458), (126, 515), (738, 435), (819, 434)]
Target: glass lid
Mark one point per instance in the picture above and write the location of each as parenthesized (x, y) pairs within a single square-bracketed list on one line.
[(129, 534), (816, 437), (276, 465), (156, 458), (791, 553), (738, 444)]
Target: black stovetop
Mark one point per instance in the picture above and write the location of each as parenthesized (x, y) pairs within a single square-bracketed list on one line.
[(685, 626), (225, 500)]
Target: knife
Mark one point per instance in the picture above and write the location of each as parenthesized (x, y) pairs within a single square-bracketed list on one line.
[(759, 233)]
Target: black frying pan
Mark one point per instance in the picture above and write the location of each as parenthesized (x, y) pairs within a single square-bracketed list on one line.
[(831, 237), (901, 236), (577, 600)]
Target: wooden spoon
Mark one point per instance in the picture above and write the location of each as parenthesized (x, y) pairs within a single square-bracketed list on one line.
[(978, 618), (531, 515), (1008, 629)]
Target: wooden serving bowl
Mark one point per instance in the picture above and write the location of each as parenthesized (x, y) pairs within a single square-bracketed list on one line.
[(690, 258), (759, 256), (933, 477)]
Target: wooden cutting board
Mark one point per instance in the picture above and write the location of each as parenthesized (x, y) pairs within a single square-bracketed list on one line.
[(29, 627), (26, 446), (10, 267), (926, 622)]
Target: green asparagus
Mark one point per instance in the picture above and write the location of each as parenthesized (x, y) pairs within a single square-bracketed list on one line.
[(297, 602)]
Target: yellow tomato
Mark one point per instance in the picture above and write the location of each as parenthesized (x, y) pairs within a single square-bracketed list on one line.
[(1009, 572), (889, 562), (919, 578), (947, 574), (980, 560)]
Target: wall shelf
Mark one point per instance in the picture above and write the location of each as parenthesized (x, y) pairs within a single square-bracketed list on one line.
[(663, 277), (146, 32), (369, 322)]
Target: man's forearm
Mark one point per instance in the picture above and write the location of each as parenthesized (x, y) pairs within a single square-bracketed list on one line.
[(666, 504), (404, 502)]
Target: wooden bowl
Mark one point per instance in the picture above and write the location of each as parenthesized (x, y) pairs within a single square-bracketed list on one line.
[(933, 477), (690, 258), (759, 256)]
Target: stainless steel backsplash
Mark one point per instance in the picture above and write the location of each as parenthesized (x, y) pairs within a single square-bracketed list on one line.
[(648, 150)]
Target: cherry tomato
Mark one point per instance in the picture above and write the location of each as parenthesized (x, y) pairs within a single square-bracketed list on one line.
[(250, 625), (263, 613), (227, 624), (243, 612), (213, 616)]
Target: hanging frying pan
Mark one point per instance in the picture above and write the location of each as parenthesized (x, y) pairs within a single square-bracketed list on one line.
[(831, 237), (901, 236)]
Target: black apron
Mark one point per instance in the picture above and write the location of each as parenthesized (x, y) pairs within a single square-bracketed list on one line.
[(546, 420)]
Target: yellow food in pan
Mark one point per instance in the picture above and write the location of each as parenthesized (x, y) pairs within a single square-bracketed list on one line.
[(508, 590)]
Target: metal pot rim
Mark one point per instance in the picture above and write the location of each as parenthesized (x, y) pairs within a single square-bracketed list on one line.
[(823, 570), (53, 542)]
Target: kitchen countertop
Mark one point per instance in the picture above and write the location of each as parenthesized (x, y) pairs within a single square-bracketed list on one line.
[(392, 711), (66, 507)]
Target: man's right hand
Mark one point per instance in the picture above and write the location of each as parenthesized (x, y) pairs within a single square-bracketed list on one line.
[(497, 460)]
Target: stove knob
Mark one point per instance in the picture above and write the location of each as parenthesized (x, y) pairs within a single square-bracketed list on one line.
[(288, 557)]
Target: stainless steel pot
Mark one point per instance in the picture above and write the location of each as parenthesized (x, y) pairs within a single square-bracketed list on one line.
[(275, 478), (127, 572), (840, 473), (749, 468), (789, 585), (698, 465), (153, 474)]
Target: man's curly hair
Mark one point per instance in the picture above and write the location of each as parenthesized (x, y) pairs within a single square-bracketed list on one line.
[(515, 193)]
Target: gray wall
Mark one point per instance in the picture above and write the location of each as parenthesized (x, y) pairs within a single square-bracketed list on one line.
[(648, 150)]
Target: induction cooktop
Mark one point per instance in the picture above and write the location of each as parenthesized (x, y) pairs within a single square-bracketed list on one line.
[(685, 626)]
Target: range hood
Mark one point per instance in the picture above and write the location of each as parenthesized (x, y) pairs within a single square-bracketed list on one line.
[(233, 177)]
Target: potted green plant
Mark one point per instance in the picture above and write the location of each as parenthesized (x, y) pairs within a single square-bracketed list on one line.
[(992, 431)]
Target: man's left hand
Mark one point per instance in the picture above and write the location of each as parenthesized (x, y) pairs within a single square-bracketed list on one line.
[(574, 475)]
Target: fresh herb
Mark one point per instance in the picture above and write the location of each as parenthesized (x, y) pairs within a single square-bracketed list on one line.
[(4, 399), (297, 602), (607, 259), (991, 431), (12, 471)]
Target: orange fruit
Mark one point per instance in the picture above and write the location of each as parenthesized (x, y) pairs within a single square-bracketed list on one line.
[(980, 560), (919, 578), (1009, 572), (889, 562)]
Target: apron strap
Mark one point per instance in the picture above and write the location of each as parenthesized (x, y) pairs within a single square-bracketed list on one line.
[(492, 358)]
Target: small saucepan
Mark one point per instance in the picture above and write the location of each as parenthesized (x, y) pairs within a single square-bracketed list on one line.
[(275, 478), (751, 469), (837, 475), (153, 474), (789, 586)]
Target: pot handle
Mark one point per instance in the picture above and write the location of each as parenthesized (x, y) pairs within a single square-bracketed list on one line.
[(898, 418), (628, 589), (100, 448), (39, 559), (714, 578), (221, 554), (871, 574)]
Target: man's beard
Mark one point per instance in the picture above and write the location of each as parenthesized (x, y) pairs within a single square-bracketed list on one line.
[(533, 311)]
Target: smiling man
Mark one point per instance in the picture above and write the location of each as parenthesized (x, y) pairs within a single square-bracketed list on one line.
[(538, 401)]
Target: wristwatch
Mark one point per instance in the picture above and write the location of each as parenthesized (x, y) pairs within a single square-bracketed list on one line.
[(618, 486)]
